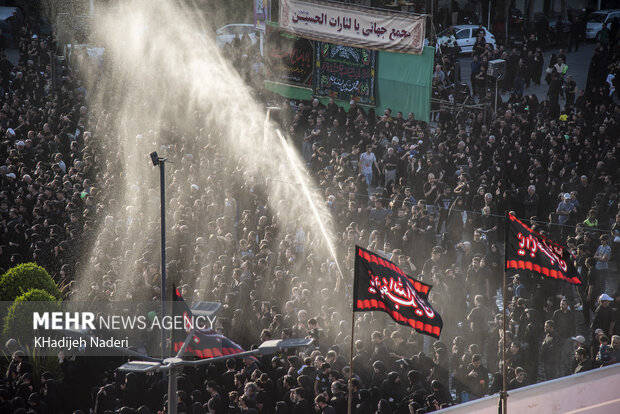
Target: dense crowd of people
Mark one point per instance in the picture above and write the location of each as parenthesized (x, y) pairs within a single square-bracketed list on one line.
[(524, 66), (429, 197)]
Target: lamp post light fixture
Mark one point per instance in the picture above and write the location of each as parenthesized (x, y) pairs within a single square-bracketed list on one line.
[(175, 364)]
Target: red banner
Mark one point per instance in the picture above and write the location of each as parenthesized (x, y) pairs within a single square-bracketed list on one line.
[(529, 250), (205, 343)]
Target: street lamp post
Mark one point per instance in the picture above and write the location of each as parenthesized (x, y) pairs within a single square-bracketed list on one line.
[(174, 364), (157, 161)]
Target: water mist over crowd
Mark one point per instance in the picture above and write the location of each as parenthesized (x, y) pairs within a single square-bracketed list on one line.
[(165, 87)]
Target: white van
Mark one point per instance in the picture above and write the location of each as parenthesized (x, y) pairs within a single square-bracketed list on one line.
[(596, 19)]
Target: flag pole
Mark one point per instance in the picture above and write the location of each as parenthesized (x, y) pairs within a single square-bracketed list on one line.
[(350, 398), (504, 393)]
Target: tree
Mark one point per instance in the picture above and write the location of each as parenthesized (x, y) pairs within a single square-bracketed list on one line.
[(24, 277), (19, 316)]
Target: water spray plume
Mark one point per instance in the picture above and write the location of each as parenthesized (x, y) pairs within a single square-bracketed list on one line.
[(166, 87), (294, 165)]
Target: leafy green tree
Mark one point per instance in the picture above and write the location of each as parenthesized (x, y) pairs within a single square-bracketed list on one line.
[(22, 278), (19, 316)]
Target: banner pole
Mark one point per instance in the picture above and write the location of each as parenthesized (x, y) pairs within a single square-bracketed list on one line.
[(350, 401), (504, 394), (350, 398)]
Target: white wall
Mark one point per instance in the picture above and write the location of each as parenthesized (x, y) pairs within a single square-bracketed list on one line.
[(592, 392)]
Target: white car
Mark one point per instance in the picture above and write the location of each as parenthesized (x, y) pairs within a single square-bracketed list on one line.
[(226, 34), (465, 35), (596, 19)]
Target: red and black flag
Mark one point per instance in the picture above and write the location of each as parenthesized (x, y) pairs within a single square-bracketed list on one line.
[(381, 285), (529, 250), (205, 343)]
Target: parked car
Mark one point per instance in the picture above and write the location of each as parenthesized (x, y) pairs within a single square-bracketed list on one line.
[(465, 35), (596, 19), (226, 34)]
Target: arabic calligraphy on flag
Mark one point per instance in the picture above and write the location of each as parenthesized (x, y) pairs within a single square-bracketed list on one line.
[(528, 250), (345, 73), (353, 26), (381, 285)]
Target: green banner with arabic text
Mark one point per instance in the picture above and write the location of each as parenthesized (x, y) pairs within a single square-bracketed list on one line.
[(345, 73)]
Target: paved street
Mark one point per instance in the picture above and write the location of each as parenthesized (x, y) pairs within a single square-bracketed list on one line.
[(578, 63)]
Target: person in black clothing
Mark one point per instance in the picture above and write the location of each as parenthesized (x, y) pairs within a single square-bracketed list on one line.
[(433, 261), (379, 374), (538, 63), (228, 377), (477, 377), (233, 403), (570, 90), (266, 398), (322, 405), (105, 400), (564, 319), (521, 77), (215, 398), (441, 393), (321, 382), (37, 404), (132, 395), (550, 351), (516, 356), (392, 389), (302, 406), (339, 397), (519, 380), (584, 363), (589, 289), (604, 315), (281, 408), (49, 391), (247, 405), (444, 202), (380, 349), (575, 33), (554, 93), (5, 403)]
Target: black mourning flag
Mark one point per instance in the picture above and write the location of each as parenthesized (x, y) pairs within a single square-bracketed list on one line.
[(528, 250), (381, 285), (205, 343)]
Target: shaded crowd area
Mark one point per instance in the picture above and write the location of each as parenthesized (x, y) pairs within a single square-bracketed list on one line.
[(431, 198)]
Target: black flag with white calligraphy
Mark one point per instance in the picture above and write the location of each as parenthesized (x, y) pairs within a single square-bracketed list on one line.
[(528, 250), (381, 285)]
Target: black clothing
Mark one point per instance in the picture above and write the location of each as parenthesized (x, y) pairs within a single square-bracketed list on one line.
[(302, 407), (564, 323), (583, 366), (514, 384), (603, 317), (550, 352)]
